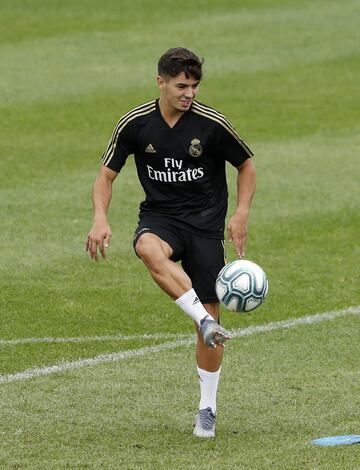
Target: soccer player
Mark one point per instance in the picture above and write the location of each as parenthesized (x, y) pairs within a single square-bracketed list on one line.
[(180, 148)]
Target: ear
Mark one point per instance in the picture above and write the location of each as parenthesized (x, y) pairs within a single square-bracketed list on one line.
[(160, 81)]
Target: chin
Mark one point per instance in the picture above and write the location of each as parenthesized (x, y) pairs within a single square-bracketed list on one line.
[(184, 108)]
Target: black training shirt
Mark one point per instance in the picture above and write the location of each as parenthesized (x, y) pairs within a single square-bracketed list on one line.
[(181, 169)]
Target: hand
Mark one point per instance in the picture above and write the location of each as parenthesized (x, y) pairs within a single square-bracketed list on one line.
[(98, 237), (237, 233)]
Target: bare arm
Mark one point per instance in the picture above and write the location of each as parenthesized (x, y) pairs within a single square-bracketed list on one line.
[(100, 233), (237, 227)]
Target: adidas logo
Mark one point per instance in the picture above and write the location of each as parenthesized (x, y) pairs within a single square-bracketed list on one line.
[(150, 149), (196, 300)]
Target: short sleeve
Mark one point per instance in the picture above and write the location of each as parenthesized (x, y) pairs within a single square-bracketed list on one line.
[(121, 145), (230, 146)]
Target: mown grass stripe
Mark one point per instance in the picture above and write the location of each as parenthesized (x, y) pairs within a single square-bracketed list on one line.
[(122, 355)]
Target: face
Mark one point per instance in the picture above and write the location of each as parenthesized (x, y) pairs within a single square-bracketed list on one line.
[(177, 93)]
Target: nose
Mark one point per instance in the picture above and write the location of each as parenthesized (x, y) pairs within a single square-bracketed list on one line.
[(189, 92)]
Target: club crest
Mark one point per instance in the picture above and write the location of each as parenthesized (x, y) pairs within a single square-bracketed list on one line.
[(195, 148)]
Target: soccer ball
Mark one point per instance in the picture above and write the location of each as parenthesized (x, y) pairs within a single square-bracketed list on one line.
[(241, 286)]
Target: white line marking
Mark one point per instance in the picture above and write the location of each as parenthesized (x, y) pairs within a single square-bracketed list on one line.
[(122, 355), (307, 320), (113, 357), (88, 339)]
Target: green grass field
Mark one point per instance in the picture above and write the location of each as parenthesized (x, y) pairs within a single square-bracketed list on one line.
[(285, 72)]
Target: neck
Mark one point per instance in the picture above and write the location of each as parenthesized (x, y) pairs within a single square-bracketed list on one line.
[(169, 114)]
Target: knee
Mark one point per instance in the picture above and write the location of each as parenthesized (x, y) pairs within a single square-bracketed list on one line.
[(144, 248), (150, 249)]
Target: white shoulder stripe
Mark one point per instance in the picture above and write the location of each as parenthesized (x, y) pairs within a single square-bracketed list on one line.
[(224, 124), (137, 112), (141, 106), (205, 108), (148, 105), (211, 112)]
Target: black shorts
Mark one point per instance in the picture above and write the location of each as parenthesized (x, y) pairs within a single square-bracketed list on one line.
[(201, 258)]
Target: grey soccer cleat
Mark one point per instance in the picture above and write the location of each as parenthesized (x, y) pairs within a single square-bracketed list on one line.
[(204, 425), (212, 332)]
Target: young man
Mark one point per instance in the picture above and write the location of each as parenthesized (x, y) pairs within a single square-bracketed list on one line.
[(180, 148)]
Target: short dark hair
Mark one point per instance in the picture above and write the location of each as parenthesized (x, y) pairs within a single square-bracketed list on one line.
[(178, 60)]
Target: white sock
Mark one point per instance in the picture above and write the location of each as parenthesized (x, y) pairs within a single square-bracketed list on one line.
[(190, 303), (209, 382)]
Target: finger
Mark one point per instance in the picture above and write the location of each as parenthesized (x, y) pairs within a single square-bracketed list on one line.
[(107, 240), (87, 243), (240, 248), (93, 250), (230, 236), (241, 252), (102, 249)]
